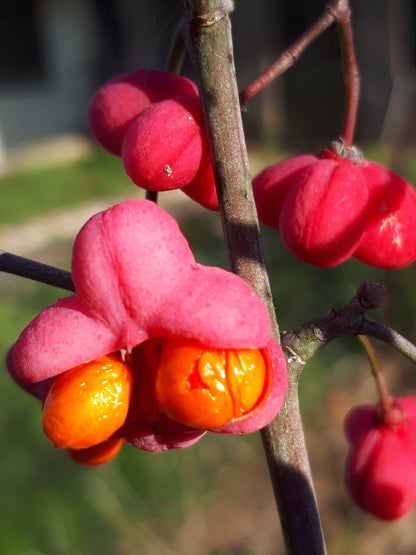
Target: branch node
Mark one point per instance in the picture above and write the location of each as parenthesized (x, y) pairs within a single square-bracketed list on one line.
[(294, 357), (209, 19), (291, 53), (318, 334), (370, 295), (351, 153), (339, 10)]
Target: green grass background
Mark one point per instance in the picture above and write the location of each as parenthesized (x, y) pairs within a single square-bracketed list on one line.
[(192, 500)]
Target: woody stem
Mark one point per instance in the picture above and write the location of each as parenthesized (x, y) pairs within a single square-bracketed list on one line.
[(210, 45)]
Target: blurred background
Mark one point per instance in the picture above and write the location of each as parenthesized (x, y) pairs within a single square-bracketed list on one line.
[(214, 498)]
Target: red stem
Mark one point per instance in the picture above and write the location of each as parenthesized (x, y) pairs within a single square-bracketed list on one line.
[(336, 11), (288, 57), (339, 12), (378, 374), (351, 73)]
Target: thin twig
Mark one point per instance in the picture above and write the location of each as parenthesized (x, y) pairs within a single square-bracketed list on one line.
[(152, 195), (334, 11), (351, 320), (24, 267), (391, 337), (177, 51)]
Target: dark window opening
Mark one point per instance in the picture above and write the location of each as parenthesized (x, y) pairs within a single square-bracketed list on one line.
[(21, 56)]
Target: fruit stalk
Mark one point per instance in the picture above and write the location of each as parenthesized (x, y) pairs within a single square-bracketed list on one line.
[(378, 373), (350, 70)]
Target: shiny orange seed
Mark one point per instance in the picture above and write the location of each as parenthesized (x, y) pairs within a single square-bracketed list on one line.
[(97, 454), (205, 388), (87, 404)]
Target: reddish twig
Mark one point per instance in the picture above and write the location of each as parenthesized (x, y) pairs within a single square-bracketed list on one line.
[(351, 73), (337, 12), (377, 372), (334, 11)]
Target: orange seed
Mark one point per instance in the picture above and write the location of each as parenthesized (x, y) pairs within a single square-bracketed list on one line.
[(87, 404), (97, 454), (205, 388)]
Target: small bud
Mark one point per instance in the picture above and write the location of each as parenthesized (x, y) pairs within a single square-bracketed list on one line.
[(371, 295)]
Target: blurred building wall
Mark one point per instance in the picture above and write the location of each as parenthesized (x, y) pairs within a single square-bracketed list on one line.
[(50, 98), (66, 48)]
